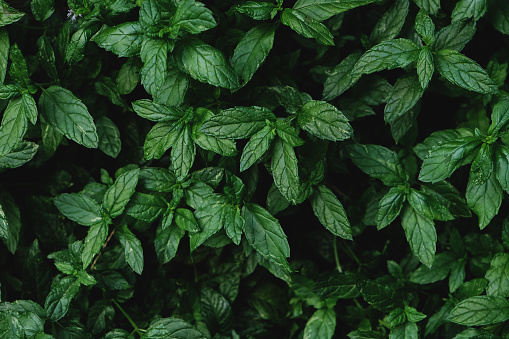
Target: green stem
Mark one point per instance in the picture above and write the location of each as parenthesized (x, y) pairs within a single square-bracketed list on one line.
[(336, 257), (128, 317)]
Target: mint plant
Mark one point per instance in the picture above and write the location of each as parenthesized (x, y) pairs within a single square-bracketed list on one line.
[(254, 169)]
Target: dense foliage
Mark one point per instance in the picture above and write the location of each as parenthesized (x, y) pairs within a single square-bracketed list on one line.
[(254, 169)]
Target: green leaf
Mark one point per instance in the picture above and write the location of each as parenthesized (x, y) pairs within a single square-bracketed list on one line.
[(425, 27), (391, 23), (425, 66), (290, 98), (307, 26), (469, 9), (100, 315), (14, 125), (387, 55), (408, 330), (404, 95), (252, 50), (184, 219), (174, 88), (324, 121), (276, 202), (8, 15), (341, 78), (285, 170), (161, 137), (59, 298), (439, 271), (133, 252), (320, 10), (210, 216), (223, 147), (109, 136), (238, 122), (10, 221), (216, 311), (167, 241), (329, 210), (183, 153), (21, 154), (381, 297), (18, 70), (378, 162), (482, 166), (233, 223), (145, 207), (157, 179), (498, 276), (321, 325), (265, 234), (444, 158), (499, 118), (256, 147), (154, 55), (457, 276), (42, 9), (172, 328), (68, 115), (464, 72), (413, 315), (205, 63), (75, 50), (46, 56), (484, 199), (430, 6), (123, 40), (128, 77), (455, 36), (156, 112), (95, 239), (421, 235), (79, 208), (256, 10), (193, 17), (9, 91), (499, 16), (288, 134), (390, 207), (429, 206), (480, 310), (502, 166), (150, 15), (4, 53), (118, 195)]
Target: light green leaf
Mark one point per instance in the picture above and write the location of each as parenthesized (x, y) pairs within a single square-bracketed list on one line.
[(285, 170), (123, 40), (413, 315), (4, 53), (109, 136), (161, 137), (307, 27), (444, 158), (42, 9), (390, 207), (252, 50), (133, 252), (8, 15), (321, 325), (485, 199), (173, 90), (425, 66), (480, 310), (324, 121), (469, 9), (205, 63), (265, 234), (329, 210), (455, 36), (238, 122), (390, 24), (157, 179), (256, 10), (128, 77), (68, 115), (183, 153), (167, 241), (387, 55), (94, 240), (172, 328), (499, 118), (341, 78), (425, 27), (378, 162), (156, 112), (256, 147), (59, 298), (79, 208), (10, 221), (464, 72), (429, 206), (404, 95), (118, 195), (193, 17), (14, 126), (498, 276), (430, 6), (21, 154), (154, 55), (421, 235), (320, 10)]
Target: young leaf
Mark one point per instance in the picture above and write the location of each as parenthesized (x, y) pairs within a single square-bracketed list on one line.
[(444, 158), (387, 55), (95, 239), (480, 310), (421, 235), (285, 170), (498, 276), (265, 234), (14, 126), (378, 162), (167, 241), (324, 121), (329, 210), (425, 66), (320, 10), (183, 153), (133, 252), (193, 17), (205, 63), (252, 50), (341, 78), (79, 208), (390, 207), (464, 72), (390, 24), (68, 115), (154, 55), (425, 27), (321, 325), (118, 195), (404, 95), (428, 206), (430, 6), (123, 40), (455, 36), (465, 9), (307, 27), (499, 118), (256, 147), (256, 10), (484, 199), (154, 111)]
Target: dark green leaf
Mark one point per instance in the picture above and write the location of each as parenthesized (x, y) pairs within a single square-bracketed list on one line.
[(425, 66), (4, 53), (128, 77), (439, 271), (421, 235), (276, 202), (307, 26), (75, 50), (157, 179), (469, 9), (133, 252), (123, 40), (455, 36), (172, 328), (161, 137), (323, 9), (183, 153), (167, 241), (10, 221), (256, 147), (381, 297), (484, 199), (499, 16), (216, 311), (404, 95), (21, 154), (256, 10), (96, 237), (285, 170), (324, 121), (498, 276), (42, 9), (341, 77), (502, 166), (288, 133), (150, 15), (425, 27), (109, 136), (60, 297), (156, 112), (46, 57), (193, 17), (428, 205), (154, 55), (18, 70), (481, 310), (499, 118), (80, 208), (223, 147), (390, 207), (184, 219), (408, 330), (9, 91), (329, 210), (390, 24), (174, 88), (430, 6), (145, 207), (118, 195), (101, 314), (14, 126), (482, 166), (322, 324)]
